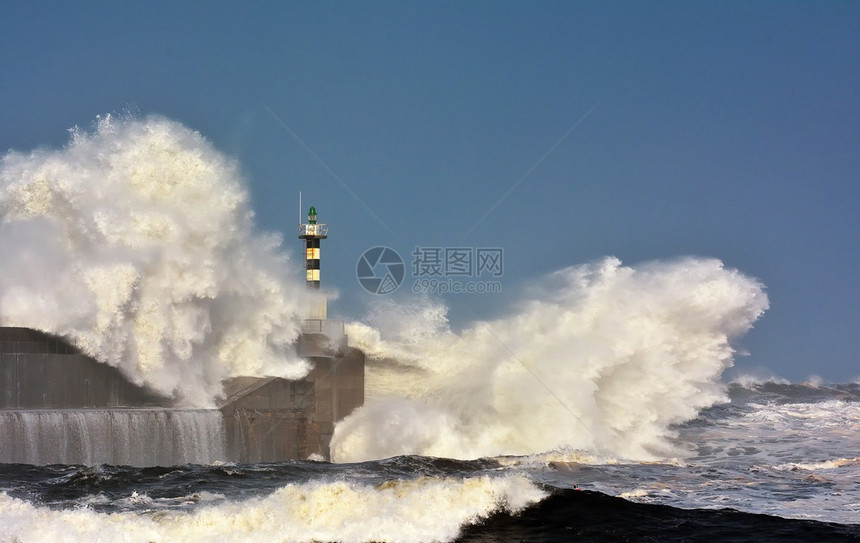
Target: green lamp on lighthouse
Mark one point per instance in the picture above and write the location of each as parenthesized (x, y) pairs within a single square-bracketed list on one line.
[(312, 232)]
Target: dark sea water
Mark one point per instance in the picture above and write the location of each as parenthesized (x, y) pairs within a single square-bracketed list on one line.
[(778, 463)]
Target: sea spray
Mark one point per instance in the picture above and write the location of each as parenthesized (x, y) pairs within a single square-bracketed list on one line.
[(604, 358), (136, 242)]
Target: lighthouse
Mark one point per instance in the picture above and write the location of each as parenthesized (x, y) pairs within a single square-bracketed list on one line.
[(312, 232)]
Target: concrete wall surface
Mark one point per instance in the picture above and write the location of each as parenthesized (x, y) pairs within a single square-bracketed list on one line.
[(265, 419), (269, 419), (38, 371)]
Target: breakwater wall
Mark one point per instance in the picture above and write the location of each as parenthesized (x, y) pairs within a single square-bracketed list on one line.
[(60, 406)]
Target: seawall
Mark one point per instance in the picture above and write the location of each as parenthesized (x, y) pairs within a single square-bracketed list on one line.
[(58, 405)]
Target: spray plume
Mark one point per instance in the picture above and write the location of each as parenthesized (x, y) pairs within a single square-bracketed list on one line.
[(136, 242), (604, 359)]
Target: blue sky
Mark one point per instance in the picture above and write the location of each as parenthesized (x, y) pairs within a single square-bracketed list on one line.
[(718, 129)]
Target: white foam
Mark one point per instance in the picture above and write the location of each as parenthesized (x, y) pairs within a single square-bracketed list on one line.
[(424, 509), (136, 242), (605, 358), (833, 415), (817, 466), (761, 377)]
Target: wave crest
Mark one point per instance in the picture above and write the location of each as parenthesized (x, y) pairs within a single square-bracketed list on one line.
[(603, 358), (136, 242)]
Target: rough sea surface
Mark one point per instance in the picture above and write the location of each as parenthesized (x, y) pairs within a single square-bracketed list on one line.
[(777, 463)]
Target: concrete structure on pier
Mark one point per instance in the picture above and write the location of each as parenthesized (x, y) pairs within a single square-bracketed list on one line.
[(271, 419)]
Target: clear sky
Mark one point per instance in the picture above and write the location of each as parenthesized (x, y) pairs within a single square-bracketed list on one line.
[(639, 130)]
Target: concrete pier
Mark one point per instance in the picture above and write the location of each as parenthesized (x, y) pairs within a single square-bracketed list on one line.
[(51, 393)]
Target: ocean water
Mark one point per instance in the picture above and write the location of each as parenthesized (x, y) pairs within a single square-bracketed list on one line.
[(592, 409), (778, 462)]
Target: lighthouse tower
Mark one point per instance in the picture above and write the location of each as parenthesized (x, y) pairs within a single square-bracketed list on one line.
[(312, 232)]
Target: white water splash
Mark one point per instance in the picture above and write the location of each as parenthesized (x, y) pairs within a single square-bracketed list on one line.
[(605, 359), (423, 509), (136, 242), (751, 379)]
